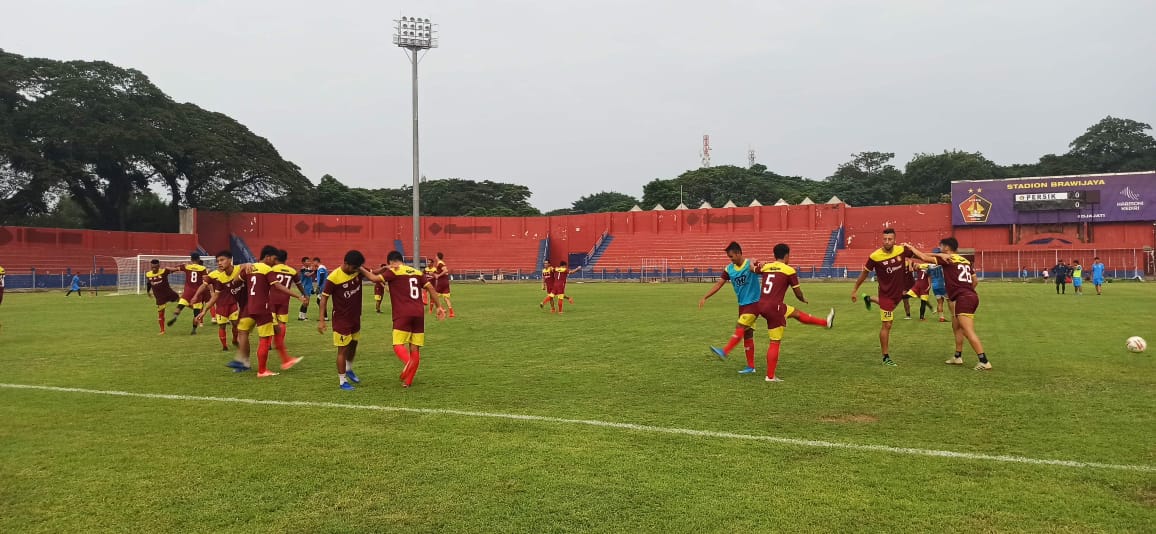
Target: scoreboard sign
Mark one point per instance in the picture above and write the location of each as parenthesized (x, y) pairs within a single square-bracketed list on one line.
[(1058, 199)]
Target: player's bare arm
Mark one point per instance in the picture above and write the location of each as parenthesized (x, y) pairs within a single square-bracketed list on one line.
[(799, 294), (371, 276), (291, 292), (208, 305), (859, 282), (324, 310), (713, 289)]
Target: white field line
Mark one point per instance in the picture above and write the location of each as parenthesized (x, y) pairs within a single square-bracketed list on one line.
[(610, 424)]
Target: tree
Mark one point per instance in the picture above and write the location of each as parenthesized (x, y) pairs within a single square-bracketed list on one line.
[(335, 198), (456, 197), (868, 179), (604, 202), (1115, 145), (928, 176)]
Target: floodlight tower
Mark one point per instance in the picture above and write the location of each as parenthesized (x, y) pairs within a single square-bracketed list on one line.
[(705, 151), (415, 35)]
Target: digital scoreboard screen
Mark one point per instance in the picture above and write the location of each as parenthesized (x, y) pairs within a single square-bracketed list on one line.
[(1056, 201)]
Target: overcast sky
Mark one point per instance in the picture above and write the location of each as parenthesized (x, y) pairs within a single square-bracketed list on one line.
[(572, 98)]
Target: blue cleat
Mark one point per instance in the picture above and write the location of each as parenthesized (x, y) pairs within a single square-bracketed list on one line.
[(240, 369), (347, 386), (719, 352), (748, 371), (352, 377), (234, 364)]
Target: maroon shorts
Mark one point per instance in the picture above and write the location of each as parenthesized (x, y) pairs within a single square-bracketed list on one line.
[(165, 297), (922, 287), (775, 314), (886, 303), (225, 310), (279, 308), (442, 288), (379, 290), (966, 304), (550, 287), (1, 295), (413, 325)]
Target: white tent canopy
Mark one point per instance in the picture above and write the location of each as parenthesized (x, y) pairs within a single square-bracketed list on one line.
[(705, 206), (658, 207), (806, 201), (729, 204), (782, 202), (755, 203), (636, 208), (835, 200), (681, 206)]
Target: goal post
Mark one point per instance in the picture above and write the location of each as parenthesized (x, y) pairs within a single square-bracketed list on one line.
[(130, 271)]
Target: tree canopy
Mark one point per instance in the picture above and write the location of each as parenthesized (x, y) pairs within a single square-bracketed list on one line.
[(87, 144)]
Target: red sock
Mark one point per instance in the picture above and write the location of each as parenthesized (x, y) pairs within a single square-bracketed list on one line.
[(552, 307), (161, 320), (279, 342), (739, 332), (235, 335), (772, 359), (401, 353), (221, 334), (411, 367), (263, 354), (809, 319), (749, 345), (559, 305)]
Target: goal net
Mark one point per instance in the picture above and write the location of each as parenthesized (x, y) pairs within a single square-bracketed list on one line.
[(130, 271)]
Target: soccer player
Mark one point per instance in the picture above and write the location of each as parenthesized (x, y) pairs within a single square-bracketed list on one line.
[(378, 290), (75, 287), (961, 282), (777, 276), (1077, 278), (158, 287), (1, 285), (343, 288), (224, 283), (442, 283), (194, 278), (320, 275), (406, 285), (561, 272), (938, 287), (890, 266), (286, 276), (429, 273), (921, 289), (1060, 271), (740, 273), (307, 275), (1097, 276), (261, 281), (548, 286)]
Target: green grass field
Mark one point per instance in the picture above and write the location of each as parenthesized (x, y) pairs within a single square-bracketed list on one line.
[(1063, 388)]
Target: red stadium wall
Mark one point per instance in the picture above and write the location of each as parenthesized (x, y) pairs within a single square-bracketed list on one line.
[(54, 249)]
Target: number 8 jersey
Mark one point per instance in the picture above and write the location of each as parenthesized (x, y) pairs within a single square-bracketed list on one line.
[(405, 287), (958, 275)]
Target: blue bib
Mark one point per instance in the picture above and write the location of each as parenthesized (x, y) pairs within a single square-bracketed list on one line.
[(745, 283)]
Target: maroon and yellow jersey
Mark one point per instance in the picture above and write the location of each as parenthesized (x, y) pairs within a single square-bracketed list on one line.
[(194, 278), (228, 286), (442, 282), (257, 302), (1, 278), (958, 276), (891, 271), (548, 277), (284, 276), (777, 278), (560, 275), (379, 289), (159, 284), (344, 291), (405, 287)]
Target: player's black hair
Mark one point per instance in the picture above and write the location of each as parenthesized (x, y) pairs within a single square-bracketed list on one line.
[(355, 258), (196, 256), (781, 251), (734, 247), (315, 258), (394, 256), (561, 264), (950, 242), (269, 250), (224, 254), (304, 259), (282, 256), (440, 256), (1096, 258), (155, 262), (385, 265), (888, 231)]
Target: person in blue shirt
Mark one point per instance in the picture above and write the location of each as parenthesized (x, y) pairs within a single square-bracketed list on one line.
[(746, 282), (75, 287), (1077, 274), (938, 286), (1098, 275), (322, 275), (306, 273)]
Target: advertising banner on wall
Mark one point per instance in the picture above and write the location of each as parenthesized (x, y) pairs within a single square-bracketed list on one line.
[(1055, 199)]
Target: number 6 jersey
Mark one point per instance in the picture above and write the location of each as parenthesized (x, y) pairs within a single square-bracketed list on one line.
[(405, 287)]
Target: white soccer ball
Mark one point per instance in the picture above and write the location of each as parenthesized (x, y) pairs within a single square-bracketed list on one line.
[(1136, 344)]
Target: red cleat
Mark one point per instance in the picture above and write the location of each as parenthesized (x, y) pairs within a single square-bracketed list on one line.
[(266, 374), (285, 366)]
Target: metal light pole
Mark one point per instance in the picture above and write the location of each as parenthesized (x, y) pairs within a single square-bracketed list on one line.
[(415, 35)]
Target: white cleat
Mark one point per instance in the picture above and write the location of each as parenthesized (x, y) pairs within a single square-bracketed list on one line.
[(773, 379), (831, 318)]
